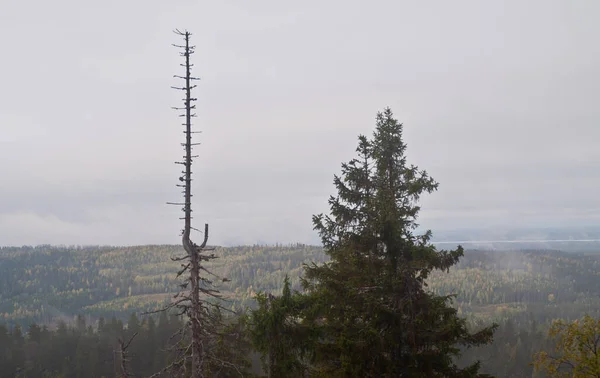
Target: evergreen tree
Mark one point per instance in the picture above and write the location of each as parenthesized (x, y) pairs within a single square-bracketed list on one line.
[(133, 324), (101, 325), (276, 334), (150, 348), (232, 348), (370, 302), (80, 324), (34, 333), (6, 366), (18, 350)]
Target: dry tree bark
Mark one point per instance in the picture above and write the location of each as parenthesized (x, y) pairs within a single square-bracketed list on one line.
[(193, 347), (125, 358)]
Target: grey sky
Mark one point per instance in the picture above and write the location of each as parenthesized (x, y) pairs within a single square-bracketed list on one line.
[(499, 101)]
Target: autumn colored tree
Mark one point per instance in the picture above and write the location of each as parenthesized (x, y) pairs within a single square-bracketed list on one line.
[(576, 352)]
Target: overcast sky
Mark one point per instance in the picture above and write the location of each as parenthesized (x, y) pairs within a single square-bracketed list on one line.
[(499, 102)]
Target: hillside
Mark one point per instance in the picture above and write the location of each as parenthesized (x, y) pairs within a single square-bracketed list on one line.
[(45, 283)]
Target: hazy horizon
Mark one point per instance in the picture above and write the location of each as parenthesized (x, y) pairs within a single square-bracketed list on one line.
[(497, 100), (449, 238)]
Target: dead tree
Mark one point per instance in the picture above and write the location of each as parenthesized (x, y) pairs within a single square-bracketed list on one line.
[(193, 344), (125, 358)]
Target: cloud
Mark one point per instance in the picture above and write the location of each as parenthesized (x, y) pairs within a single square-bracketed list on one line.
[(498, 106), (18, 227)]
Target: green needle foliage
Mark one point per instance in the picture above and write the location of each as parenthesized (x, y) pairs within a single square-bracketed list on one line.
[(369, 304), (277, 334)]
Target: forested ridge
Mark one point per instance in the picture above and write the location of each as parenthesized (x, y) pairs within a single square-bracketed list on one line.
[(43, 284), (522, 290), (46, 283)]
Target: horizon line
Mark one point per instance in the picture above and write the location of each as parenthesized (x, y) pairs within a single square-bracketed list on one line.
[(276, 244), (518, 241)]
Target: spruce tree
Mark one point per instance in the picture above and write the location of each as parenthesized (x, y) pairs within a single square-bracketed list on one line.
[(276, 334), (370, 303)]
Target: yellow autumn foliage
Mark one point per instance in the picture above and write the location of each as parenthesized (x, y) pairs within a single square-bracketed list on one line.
[(576, 352)]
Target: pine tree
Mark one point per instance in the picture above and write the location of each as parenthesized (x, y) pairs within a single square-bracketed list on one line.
[(34, 333), (6, 368), (17, 356), (370, 302), (276, 334), (150, 348), (133, 324)]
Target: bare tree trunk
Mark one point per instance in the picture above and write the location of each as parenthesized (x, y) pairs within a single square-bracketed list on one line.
[(196, 288), (123, 346), (189, 247)]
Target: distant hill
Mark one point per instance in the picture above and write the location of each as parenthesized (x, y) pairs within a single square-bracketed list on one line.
[(47, 283)]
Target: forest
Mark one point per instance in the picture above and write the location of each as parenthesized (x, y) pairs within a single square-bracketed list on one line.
[(86, 297), (65, 304), (45, 284), (377, 299)]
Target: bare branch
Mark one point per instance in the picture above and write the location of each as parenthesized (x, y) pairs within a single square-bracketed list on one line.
[(198, 295), (125, 356)]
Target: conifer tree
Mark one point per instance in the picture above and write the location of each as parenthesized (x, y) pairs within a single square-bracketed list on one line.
[(370, 303), (276, 334)]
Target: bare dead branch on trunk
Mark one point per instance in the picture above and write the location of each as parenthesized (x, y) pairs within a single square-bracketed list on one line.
[(198, 300), (125, 358)]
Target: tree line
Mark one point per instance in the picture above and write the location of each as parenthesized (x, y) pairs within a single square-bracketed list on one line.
[(374, 307)]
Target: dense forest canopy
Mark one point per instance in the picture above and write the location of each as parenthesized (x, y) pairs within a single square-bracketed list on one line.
[(522, 290), (44, 284)]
